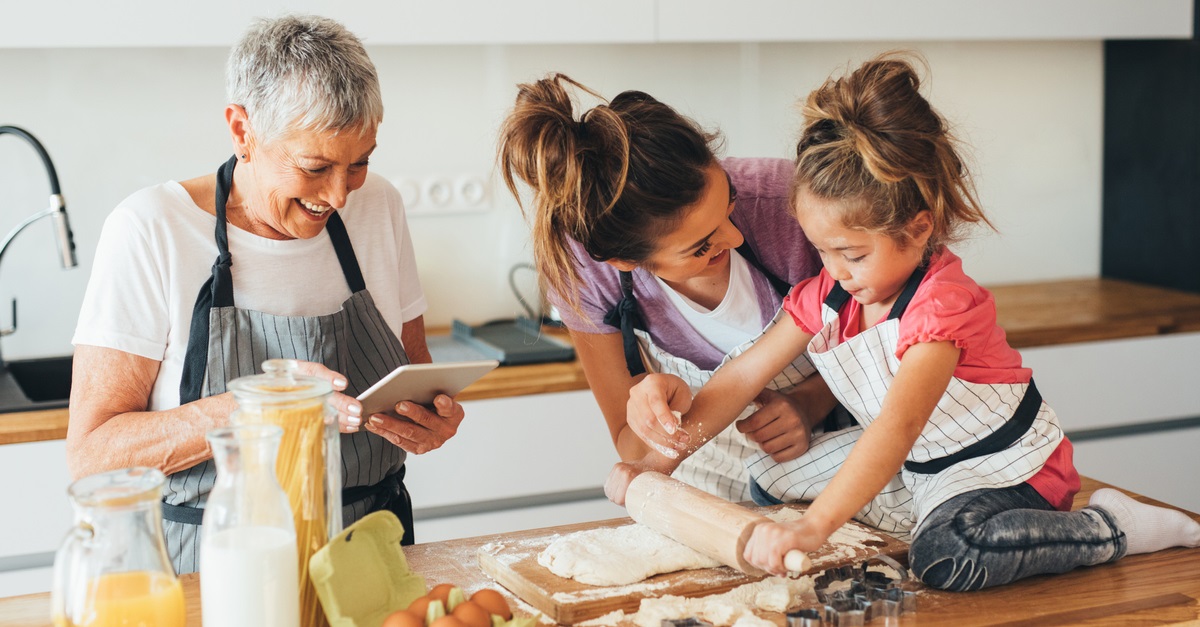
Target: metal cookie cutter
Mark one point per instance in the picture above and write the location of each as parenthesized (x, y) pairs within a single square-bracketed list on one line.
[(685, 622), (861, 596)]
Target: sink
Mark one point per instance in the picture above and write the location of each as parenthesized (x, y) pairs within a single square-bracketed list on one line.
[(35, 384)]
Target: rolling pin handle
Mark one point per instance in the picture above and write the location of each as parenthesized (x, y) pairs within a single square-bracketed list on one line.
[(796, 561)]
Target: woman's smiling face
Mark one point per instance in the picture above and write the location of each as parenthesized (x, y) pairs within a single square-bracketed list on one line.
[(699, 245), (298, 180)]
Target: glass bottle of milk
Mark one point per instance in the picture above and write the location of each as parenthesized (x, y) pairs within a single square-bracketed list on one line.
[(248, 559)]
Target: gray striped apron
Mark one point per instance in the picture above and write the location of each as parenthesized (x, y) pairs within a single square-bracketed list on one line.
[(227, 342)]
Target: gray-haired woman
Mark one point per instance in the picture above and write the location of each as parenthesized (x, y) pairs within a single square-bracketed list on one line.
[(278, 217)]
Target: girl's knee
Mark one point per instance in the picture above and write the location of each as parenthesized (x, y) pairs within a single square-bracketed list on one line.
[(943, 565)]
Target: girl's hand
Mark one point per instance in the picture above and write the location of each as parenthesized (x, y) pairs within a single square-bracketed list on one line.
[(770, 542), (349, 410), (417, 428), (778, 427), (650, 412)]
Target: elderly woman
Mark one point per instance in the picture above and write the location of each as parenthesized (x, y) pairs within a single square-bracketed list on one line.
[(279, 218)]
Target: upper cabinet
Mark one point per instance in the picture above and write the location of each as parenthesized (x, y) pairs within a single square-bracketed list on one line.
[(921, 20), (157, 23)]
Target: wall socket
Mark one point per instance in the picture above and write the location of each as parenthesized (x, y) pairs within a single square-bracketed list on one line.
[(445, 194)]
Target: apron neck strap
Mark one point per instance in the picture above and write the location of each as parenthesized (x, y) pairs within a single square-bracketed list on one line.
[(625, 316), (345, 253), (838, 297)]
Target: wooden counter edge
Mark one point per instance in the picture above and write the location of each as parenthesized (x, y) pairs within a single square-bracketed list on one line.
[(1044, 313)]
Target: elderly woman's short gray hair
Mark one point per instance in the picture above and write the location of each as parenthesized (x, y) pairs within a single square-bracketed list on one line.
[(303, 72)]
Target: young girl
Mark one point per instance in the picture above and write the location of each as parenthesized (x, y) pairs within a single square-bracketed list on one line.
[(909, 344)]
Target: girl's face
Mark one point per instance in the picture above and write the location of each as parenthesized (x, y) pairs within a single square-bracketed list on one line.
[(300, 179), (698, 247), (872, 267)]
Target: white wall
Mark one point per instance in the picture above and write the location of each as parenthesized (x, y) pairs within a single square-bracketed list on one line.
[(115, 120)]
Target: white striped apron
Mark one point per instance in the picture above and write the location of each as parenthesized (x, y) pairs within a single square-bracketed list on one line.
[(970, 417), (227, 342), (719, 466)]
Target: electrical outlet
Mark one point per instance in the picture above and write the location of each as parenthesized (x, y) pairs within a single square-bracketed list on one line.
[(444, 194)]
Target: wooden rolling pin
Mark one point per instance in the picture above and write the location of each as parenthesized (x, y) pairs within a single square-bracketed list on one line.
[(703, 522)]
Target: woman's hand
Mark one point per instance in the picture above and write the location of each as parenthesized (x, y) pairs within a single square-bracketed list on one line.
[(416, 428), (770, 542), (778, 427), (349, 410), (651, 409)]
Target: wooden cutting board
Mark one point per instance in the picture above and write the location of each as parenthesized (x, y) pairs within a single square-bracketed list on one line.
[(513, 564)]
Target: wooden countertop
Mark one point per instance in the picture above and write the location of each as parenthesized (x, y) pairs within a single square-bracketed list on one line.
[(1157, 588), (1032, 314)]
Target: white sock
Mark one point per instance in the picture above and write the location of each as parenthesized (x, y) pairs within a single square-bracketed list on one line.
[(1147, 528)]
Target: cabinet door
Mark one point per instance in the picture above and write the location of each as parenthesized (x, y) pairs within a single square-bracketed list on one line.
[(36, 513), (516, 447)]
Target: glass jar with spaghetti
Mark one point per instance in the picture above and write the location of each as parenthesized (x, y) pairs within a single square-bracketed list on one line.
[(309, 464)]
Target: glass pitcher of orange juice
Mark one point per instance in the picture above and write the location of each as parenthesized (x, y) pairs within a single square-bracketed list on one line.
[(112, 570)]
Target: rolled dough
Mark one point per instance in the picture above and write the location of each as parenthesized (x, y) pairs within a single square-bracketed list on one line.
[(616, 556)]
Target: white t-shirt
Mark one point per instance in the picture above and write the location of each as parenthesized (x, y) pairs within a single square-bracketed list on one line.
[(736, 319), (157, 249)]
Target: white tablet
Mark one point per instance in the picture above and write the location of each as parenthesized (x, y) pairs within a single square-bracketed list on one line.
[(420, 383)]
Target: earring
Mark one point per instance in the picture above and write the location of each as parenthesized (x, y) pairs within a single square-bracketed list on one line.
[(243, 156)]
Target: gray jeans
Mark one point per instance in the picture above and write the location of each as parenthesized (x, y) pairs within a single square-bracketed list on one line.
[(992, 537)]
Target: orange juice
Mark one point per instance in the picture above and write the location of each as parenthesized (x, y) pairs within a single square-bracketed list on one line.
[(132, 599)]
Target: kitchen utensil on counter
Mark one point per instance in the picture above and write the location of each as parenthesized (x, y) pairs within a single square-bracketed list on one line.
[(309, 461), (703, 522), (113, 568), (249, 568)]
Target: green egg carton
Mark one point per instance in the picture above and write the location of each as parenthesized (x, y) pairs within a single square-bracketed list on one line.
[(361, 576)]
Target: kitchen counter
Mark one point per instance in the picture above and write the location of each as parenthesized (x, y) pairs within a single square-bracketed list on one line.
[(1032, 314), (1157, 588)]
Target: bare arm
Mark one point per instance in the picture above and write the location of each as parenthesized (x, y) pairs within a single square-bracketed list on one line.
[(412, 335), (603, 360), (109, 426)]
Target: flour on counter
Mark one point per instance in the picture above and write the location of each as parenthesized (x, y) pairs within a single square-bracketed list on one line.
[(735, 607), (617, 556)]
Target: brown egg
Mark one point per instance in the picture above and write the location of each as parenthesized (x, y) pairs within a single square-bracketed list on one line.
[(419, 605), (403, 618), (472, 614), (441, 592), (447, 621), (493, 602)]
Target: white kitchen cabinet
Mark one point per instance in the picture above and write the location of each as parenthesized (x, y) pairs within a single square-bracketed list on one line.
[(36, 514), (1135, 405), (512, 448), (921, 20), (152, 23)]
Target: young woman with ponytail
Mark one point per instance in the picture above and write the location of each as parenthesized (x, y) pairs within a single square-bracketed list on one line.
[(909, 344), (661, 256)]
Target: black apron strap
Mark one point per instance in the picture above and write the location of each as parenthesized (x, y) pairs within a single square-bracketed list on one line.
[(182, 514), (389, 494), (217, 291), (781, 287), (345, 253), (626, 317), (906, 295), (998, 440)]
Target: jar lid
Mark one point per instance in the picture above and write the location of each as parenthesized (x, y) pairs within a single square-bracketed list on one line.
[(118, 488), (281, 382)]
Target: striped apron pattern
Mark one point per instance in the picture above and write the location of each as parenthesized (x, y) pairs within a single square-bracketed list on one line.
[(227, 342), (979, 435), (719, 466)]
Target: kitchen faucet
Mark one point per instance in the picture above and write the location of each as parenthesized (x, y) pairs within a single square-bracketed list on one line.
[(56, 210)]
